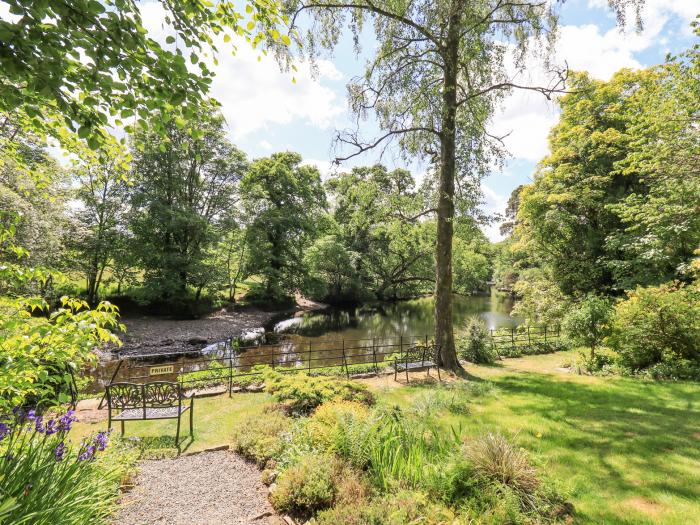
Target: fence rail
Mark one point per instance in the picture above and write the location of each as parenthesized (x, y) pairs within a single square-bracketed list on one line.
[(523, 340), (234, 365)]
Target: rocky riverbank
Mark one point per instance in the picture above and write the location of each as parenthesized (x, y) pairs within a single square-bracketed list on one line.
[(153, 335)]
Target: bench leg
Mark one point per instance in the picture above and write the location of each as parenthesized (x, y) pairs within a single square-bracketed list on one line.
[(438, 369), (122, 422), (177, 433), (191, 418)]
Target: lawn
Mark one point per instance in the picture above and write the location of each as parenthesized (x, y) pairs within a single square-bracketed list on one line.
[(627, 451)]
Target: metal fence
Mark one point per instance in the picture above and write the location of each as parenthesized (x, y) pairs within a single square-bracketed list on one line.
[(523, 340), (235, 365)]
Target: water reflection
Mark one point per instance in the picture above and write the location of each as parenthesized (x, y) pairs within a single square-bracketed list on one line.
[(365, 334)]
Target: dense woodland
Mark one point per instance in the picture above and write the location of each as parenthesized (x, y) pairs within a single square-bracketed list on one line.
[(178, 223)]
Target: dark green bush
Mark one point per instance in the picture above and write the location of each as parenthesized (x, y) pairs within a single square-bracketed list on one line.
[(301, 393), (475, 346)]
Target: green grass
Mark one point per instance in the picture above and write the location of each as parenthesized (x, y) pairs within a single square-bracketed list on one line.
[(628, 451)]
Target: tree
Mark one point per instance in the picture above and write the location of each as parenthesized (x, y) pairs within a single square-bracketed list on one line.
[(381, 217), (332, 269), (34, 191), (588, 323), (183, 189), (102, 178), (283, 201), (511, 213), (85, 64), (617, 203), (438, 72)]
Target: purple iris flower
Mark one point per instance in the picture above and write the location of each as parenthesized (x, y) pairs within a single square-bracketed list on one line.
[(66, 420), (31, 415), (39, 425), (101, 440), (59, 451), (4, 430), (51, 427), (87, 454)]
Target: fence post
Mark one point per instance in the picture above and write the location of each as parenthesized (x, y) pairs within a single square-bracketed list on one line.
[(230, 370), (374, 356), (345, 362), (309, 356), (400, 344)]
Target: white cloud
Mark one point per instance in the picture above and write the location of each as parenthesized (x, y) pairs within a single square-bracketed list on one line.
[(493, 203), (255, 95), (528, 116), (265, 145), (325, 167)]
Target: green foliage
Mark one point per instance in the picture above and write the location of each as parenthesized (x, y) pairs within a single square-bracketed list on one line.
[(475, 345), (260, 437), (308, 486), (40, 346), (301, 393), (656, 325), (541, 300), (45, 480), (615, 204), (389, 249), (113, 69), (283, 200), (588, 322), (404, 506), (181, 196)]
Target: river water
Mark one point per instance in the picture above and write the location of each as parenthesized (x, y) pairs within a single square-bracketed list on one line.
[(328, 337)]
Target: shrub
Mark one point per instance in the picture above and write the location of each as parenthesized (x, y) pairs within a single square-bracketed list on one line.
[(45, 480), (261, 437), (476, 346), (301, 393), (493, 457), (394, 509), (588, 323), (657, 325), (308, 486)]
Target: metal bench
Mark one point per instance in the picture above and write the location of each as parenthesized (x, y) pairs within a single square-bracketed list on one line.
[(417, 357), (155, 400)]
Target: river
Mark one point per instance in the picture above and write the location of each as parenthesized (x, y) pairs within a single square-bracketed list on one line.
[(327, 337)]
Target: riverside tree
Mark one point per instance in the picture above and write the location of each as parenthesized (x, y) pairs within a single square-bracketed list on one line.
[(438, 72), (283, 201), (184, 185)]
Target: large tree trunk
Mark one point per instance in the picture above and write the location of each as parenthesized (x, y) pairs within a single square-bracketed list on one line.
[(444, 336)]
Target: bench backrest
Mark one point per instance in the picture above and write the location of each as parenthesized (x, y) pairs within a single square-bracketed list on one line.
[(419, 353), (157, 394)]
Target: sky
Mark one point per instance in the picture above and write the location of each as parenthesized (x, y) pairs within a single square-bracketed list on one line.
[(266, 112)]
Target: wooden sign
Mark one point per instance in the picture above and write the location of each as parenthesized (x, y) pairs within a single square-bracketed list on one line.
[(160, 370)]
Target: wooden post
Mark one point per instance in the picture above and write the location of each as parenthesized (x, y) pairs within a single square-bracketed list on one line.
[(374, 356), (345, 362), (230, 371)]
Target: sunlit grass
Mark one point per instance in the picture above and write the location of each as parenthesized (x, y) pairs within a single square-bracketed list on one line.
[(628, 451)]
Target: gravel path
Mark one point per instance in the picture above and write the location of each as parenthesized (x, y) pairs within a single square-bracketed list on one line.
[(211, 488)]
